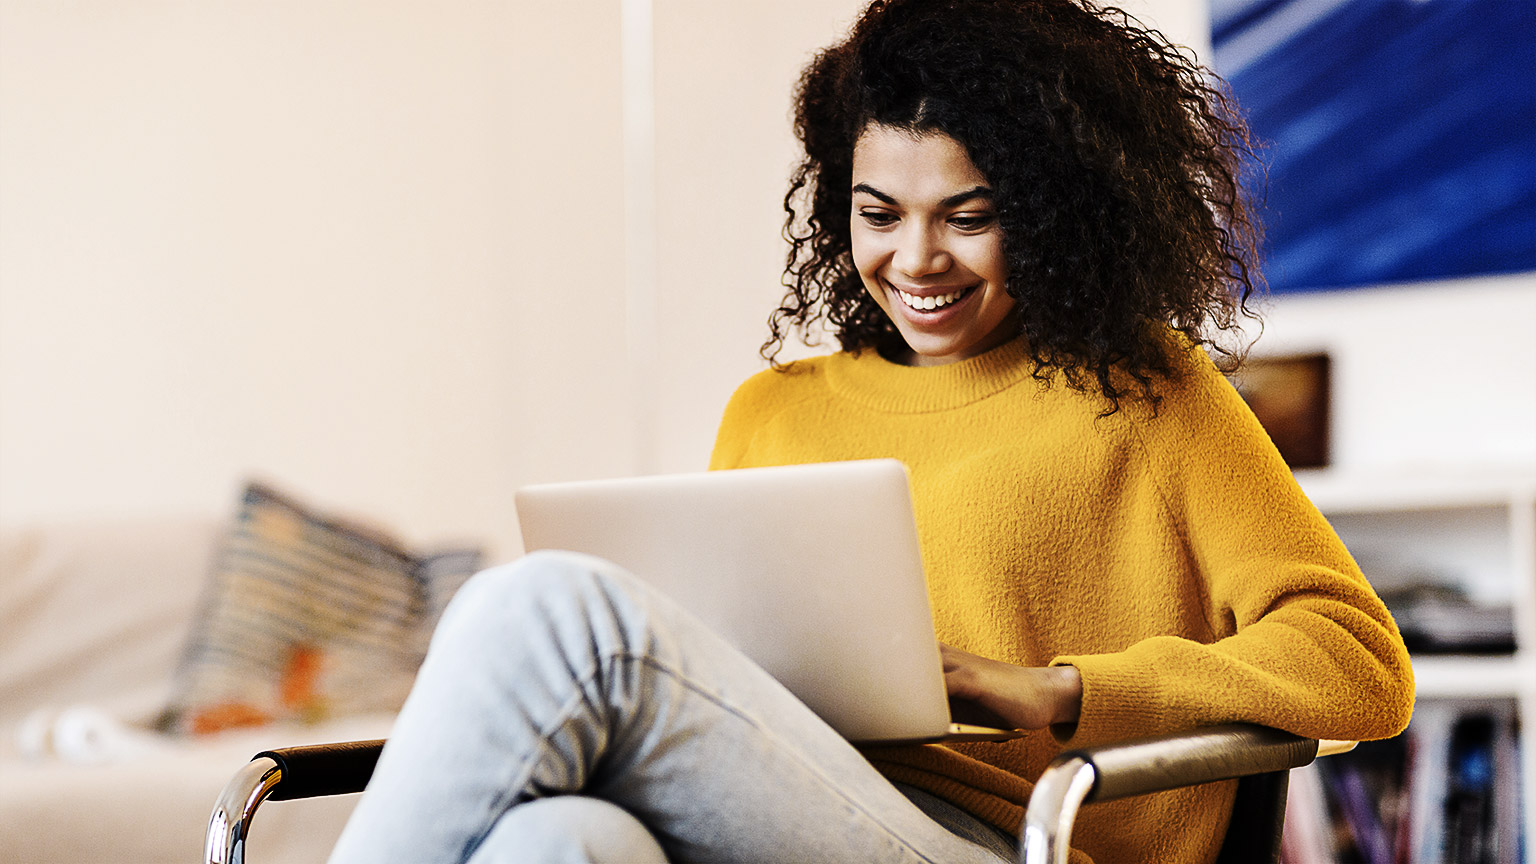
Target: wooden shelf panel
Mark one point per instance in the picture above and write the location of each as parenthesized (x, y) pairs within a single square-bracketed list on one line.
[(1346, 492), (1453, 676)]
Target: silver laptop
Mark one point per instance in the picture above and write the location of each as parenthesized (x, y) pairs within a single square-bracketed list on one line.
[(812, 571)]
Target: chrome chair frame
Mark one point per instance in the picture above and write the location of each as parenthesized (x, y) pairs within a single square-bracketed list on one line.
[(1259, 755), (287, 774)]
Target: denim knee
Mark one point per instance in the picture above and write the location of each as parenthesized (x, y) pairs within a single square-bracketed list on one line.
[(548, 571), (554, 569), (585, 587), (569, 829)]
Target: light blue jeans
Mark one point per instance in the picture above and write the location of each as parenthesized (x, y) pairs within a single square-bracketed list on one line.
[(567, 712)]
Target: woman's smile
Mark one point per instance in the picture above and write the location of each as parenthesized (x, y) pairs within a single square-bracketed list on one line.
[(919, 300)]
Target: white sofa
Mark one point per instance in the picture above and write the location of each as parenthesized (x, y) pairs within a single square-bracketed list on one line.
[(92, 622)]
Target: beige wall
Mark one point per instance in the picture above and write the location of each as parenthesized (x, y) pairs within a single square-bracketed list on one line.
[(371, 251), (724, 74), (377, 253), (1437, 378)]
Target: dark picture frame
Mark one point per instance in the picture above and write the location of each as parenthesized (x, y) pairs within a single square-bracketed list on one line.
[(1292, 397)]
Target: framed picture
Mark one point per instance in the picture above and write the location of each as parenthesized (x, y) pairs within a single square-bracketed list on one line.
[(1291, 397), (1398, 137)]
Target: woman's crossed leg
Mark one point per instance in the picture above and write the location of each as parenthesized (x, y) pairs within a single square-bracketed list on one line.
[(563, 675)]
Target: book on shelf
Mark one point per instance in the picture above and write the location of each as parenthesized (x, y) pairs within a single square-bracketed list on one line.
[(1444, 792), (1443, 619)]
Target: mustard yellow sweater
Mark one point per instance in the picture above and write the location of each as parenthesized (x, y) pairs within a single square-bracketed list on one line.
[(1171, 558)]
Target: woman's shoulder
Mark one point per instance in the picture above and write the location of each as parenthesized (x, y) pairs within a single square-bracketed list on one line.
[(791, 380), (1198, 415), (772, 390), (1193, 391), (1195, 380), (761, 398)]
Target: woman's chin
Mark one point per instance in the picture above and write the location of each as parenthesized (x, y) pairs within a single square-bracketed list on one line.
[(930, 352), (930, 349)]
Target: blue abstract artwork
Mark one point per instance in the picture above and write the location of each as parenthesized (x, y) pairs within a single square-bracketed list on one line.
[(1399, 136)]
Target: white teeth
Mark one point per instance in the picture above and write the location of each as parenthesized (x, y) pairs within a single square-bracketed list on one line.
[(932, 302)]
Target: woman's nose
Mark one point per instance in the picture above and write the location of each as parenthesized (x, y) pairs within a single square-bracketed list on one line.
[(919, 253)]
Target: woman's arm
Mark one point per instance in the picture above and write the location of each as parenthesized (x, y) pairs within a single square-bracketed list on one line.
[(1299, 641)]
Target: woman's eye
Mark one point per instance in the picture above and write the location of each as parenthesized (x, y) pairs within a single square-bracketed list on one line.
[(877, 218), (972, 222)]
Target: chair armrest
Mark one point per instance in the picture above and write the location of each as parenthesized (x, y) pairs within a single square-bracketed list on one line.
[(282, 775), (1153, 764), (1073, 778), (324, 769)]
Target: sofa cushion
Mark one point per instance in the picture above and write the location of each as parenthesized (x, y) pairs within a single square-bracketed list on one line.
[(305, 617), (151, 807), (97, 611)]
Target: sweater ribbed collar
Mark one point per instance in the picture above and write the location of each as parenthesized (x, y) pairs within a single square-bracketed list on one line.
[(872, 380)]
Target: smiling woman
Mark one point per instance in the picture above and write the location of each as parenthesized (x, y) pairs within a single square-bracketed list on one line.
[(998, 197), (927, 244)]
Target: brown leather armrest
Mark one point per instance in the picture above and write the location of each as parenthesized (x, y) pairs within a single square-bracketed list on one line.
[(1153, 764), (1190, 758), (323, 769), (280, 775)]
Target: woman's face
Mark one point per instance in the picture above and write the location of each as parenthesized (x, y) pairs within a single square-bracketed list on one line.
[(927, 243)]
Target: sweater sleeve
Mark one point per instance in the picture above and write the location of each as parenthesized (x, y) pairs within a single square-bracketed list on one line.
[(1300, 640)]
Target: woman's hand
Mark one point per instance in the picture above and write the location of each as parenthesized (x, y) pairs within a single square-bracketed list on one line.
[(1029, 698)]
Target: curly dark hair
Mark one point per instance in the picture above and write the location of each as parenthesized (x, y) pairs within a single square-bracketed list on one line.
[(1114, 162)]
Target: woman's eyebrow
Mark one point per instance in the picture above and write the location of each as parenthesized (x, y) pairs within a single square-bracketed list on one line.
[(962, 197), (870, 190), (952, 201)]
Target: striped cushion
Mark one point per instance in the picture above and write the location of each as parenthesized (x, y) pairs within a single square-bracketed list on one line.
[(307, 617)]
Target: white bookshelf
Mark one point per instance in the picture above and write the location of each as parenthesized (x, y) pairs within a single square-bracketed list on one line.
[(1476, 529), (1470, 677)]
